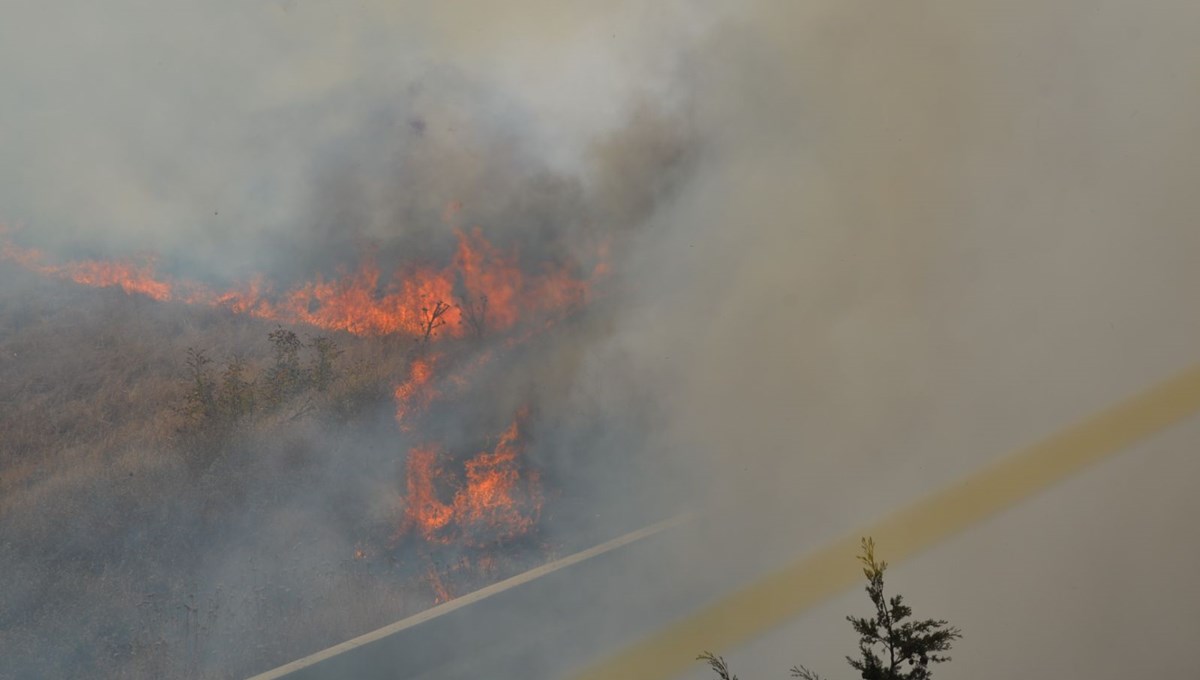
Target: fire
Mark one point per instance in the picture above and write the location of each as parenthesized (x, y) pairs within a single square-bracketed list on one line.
[(132, 278), (425, 510), (491, 278), (482, 289), (440, 592), (417, 392), (445, 579), (414, 394), (247, 299), (492, 501)]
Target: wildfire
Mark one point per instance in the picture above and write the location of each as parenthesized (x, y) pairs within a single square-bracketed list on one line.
[(492, 501), (440, 592), (481, 289), (442, 578), (414, 394), (132, 278), (425, 510), (353, 303)]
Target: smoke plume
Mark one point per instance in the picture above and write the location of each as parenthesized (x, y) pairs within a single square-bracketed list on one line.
[(838, 254)]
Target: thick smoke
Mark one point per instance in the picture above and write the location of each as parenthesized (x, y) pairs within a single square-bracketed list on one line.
[(228, 139), (222, 142), (935, 232), (860, 248)]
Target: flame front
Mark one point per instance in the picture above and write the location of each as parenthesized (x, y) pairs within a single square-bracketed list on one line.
[(491, 497), (414, 394), (429, 515), (491, 503), (495, 501), (480, 289), (132, 278)]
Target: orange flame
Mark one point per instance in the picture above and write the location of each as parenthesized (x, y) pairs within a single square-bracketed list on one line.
[(425, 510), (130, 277), (440, 592), (492, 503), (490, 275), (492, 496), (414, 394), (425, 302)]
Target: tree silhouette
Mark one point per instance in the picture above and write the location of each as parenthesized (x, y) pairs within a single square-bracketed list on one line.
[(890, 648), (717, 663), (432, 318)]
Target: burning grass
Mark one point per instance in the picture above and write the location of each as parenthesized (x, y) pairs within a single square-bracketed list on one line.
[(496, 499), (482, 289), (163, 507)]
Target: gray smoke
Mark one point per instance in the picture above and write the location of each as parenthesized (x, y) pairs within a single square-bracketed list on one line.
[(862, 247)]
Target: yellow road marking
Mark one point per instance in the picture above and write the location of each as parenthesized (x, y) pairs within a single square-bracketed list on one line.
[(782, 595)]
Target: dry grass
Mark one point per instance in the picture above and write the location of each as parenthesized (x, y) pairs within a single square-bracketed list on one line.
[(136, 542)]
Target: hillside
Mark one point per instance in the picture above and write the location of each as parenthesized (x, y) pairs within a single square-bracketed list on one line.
[(144, 537)]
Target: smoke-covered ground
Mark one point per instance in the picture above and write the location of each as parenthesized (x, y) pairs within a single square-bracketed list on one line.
[(843, 253)]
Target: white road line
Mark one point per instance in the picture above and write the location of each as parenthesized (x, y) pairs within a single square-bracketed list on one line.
[(472, 598)]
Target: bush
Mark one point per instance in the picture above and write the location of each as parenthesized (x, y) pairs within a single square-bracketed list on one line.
[(240, 393)]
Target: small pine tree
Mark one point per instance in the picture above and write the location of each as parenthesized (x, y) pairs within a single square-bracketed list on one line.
[(718, 665), (910, 647), (905, 649)]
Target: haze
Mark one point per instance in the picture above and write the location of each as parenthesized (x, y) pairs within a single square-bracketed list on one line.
[(861, 249)]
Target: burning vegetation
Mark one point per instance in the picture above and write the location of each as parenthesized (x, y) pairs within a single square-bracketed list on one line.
[(477, 501), (481, 290), (260, 441), (429, 338), (492, 500)]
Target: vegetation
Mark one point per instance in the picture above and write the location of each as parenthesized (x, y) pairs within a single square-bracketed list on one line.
[(187, 493), (474, 313), (889, 646), (238, 392)]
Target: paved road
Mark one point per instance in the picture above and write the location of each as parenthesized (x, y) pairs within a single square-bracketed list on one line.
[(536, 625)]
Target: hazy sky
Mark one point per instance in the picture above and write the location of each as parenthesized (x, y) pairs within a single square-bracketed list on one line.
[(916, 236)]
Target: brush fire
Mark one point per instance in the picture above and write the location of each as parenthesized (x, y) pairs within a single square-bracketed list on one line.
[(493, 294), (458, 505)]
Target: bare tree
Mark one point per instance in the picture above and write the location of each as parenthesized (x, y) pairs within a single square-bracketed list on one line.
[(433, 318), (474, 313)]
